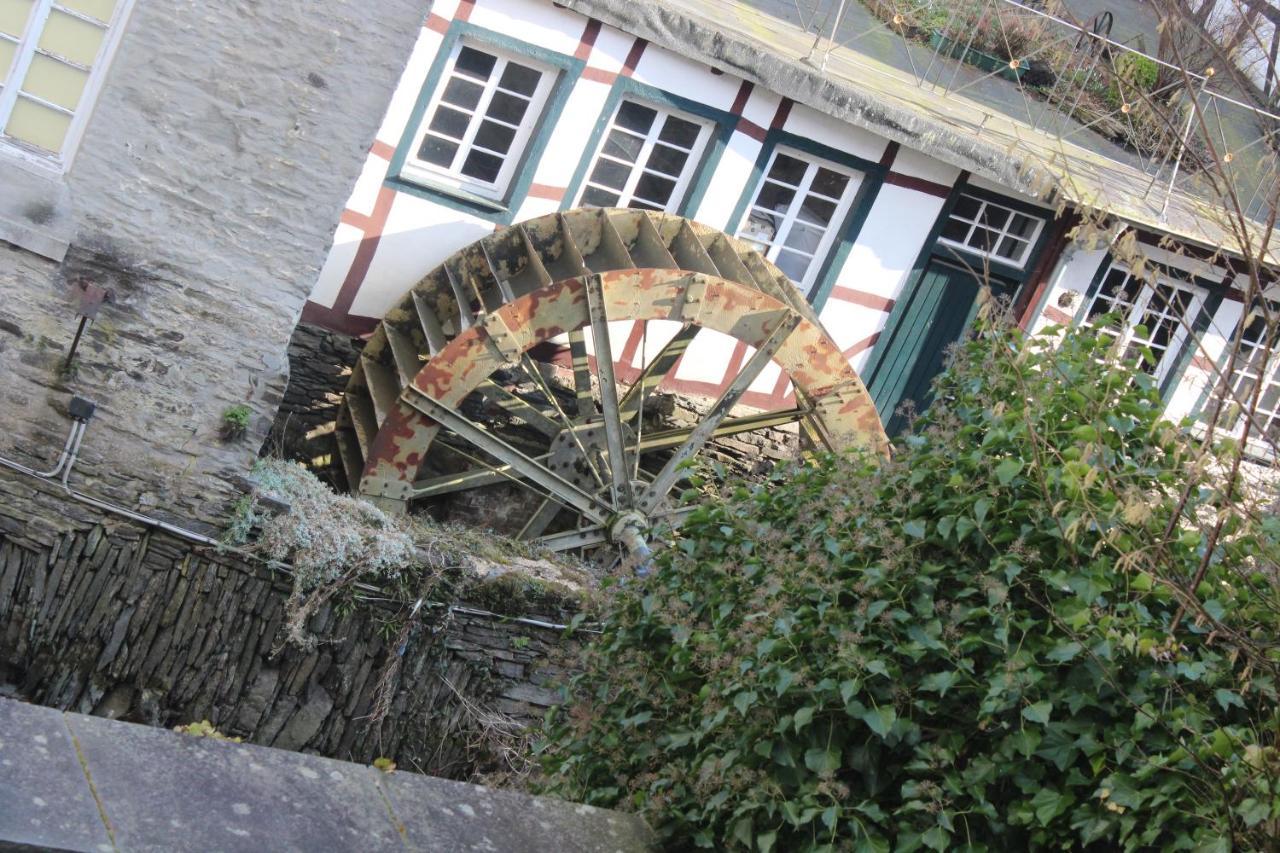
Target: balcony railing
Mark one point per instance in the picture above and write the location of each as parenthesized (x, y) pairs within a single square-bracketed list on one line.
[(1187, 129)]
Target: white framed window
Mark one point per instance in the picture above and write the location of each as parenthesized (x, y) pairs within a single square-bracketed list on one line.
[(53, 54), (1157, 314), (800, 202), (646, 159), (479, 120), (991, 230), (1256, 364)]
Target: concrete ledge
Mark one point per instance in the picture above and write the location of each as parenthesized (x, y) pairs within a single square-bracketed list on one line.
[(75, 782), (35, 209)]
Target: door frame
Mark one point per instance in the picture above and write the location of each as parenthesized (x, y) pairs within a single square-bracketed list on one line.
[(932, 249)]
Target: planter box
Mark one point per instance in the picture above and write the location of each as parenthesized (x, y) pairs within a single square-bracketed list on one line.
[(985, 61)]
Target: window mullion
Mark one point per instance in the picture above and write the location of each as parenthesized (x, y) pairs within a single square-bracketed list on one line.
[(642, 158), (1179, 330), (793, 209), (22, 60), (477, 118)]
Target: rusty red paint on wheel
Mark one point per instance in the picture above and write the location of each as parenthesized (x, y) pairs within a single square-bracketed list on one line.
[(812, 360)]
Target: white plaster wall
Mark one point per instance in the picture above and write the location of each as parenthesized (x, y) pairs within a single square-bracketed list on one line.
[(733, 175), (566, 145), (610, 51), (707, 357), (918, 165), (532, 21), (419, 235), (892, 237), (1068, 284), (410, 85), (1213, 349), (684, 77), (826, 130), (346, 239)]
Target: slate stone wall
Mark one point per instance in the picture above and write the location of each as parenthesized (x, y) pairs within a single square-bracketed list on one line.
[(222, 148), (104, 617)]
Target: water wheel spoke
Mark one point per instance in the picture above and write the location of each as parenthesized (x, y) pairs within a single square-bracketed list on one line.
[(531, 369), (619, 469), (498, 474), (663, 439), (516, 405), (540, 520), (597, 534), (585, 399), (655, 372), (570, 539), (526, 466), (698, 437)]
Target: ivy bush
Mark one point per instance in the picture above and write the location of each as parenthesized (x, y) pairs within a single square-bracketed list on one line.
[(1006, 637)]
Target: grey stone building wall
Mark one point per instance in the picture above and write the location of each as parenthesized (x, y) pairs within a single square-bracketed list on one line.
[(222, 147)]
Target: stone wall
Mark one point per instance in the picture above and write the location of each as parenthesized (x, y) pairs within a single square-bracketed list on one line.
[(102, 616), (222, 148), (320, 363)]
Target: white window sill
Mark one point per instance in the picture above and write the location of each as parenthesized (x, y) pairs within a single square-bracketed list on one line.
[(35, 207)]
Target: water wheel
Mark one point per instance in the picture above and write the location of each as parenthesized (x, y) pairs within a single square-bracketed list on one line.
[(449, 397)]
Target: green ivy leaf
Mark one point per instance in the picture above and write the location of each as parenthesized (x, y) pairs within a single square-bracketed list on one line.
[(1227, 698), (1007, 470), (1064, 652), (785, 678), (1038, 713), (822, 760), (940, 682), (1049, 803), (880, 720), (914, 528), (803, 717), (936, 839)]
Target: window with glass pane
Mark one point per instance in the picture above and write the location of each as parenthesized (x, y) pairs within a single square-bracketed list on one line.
[(797, 207), (474, 130), (1154, 314), (1256, 364), (646, 159), (991, 230), (50, 50)]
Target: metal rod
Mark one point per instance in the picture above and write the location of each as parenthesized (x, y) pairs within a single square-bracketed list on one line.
[(620, 483), (531, 369), (655, 372), (515, 405), (586, 403), (1177, 163), (702, 432), (589, 505)]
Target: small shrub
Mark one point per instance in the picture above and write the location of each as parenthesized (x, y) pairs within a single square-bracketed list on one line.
[(204, 728), (235, 421), (1134, 79), (993, 641)]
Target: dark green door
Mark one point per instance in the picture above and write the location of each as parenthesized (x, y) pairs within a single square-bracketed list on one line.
[(939, 310)]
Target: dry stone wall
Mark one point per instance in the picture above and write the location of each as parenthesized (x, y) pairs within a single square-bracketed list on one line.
[(104, 617)]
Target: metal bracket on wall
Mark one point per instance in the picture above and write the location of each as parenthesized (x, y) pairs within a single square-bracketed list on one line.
[(90, 298)]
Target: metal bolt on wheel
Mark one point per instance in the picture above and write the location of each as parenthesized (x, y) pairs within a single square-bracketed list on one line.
[(449, 399)]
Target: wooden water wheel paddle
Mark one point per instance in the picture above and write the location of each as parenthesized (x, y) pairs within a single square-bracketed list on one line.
[(448, 398)]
